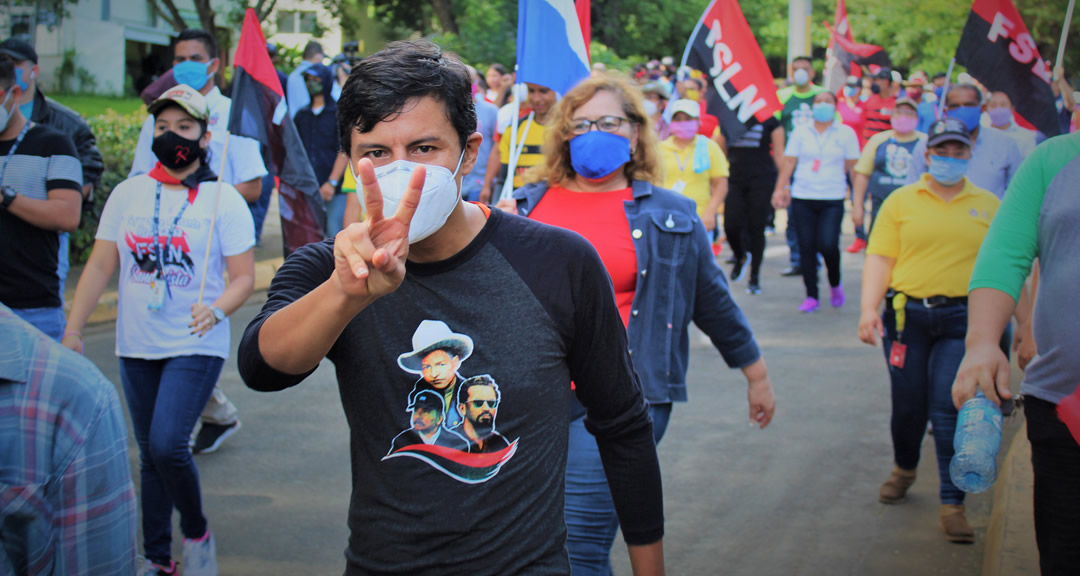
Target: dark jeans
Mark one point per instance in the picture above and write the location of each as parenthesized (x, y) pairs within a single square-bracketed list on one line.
[(746, 211), (1055, 458), (817, 225), (165, 398), (923, 388), (591, 522), (261, 206)]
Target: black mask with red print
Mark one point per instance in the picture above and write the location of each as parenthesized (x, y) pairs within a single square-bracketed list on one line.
[(176, 152)]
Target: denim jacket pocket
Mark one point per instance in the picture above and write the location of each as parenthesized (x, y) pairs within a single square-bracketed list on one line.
[(673, 241)]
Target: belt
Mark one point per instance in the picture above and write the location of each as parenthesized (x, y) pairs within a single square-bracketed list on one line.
[(931, 302)]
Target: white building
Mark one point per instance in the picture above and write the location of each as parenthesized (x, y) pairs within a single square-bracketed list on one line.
[(294, 23)]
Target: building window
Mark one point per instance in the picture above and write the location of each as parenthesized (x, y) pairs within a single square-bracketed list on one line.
[(20, 24), (307, 22), (293, 22), (106, 10)]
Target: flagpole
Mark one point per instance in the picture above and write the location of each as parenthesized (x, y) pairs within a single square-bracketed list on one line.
[(945, 91), (1064, 33), (213, 218), (512, 165)]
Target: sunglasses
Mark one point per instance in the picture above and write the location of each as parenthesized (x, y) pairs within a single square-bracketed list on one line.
[(478, 404)]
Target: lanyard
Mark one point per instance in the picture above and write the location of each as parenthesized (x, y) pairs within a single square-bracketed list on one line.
[(158, 251), (689, 157), (18, 140), (817, 138)]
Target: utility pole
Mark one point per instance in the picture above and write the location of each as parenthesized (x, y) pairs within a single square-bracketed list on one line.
[(798, 30)]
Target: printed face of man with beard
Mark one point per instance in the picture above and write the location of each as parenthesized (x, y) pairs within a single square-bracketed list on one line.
[(480, 410), (439, 368), (426, 420)]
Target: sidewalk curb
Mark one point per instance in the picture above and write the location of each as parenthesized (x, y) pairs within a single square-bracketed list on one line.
[(105, 311), (1010, 538)]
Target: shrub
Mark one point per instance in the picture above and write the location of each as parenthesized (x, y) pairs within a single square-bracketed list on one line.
[(116, 135)]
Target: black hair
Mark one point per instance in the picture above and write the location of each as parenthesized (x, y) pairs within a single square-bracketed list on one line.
[(7, 72), (498, 68), (482, 380), (834, 99), (312, 49), (803, 59), (972, 87), (207, 39), (379, 87)]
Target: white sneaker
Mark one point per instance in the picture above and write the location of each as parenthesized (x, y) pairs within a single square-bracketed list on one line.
[(200, 556)]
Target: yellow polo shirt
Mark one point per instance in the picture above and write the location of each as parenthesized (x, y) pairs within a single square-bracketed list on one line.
[(531, 151), (679, 167), (934, 242)]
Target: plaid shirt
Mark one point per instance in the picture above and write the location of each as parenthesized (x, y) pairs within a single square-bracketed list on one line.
[(67, 504)]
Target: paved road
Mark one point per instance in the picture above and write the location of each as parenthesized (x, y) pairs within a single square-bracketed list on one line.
[(799, 498)]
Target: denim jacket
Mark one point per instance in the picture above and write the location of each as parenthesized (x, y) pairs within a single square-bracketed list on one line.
[(678, 281)]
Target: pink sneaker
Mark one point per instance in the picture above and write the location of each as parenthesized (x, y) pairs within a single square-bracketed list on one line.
[(838, 298), (809, 305)]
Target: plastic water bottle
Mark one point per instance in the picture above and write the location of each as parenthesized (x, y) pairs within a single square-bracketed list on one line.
[(978, 438)]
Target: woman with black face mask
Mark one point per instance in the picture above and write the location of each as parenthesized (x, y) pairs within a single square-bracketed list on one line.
[(601, 157), (165, 230)]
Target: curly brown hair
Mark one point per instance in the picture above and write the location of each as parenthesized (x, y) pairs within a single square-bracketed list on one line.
[(557, 170)]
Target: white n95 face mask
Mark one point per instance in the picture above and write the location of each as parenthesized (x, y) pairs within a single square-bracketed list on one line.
[(437, 200)]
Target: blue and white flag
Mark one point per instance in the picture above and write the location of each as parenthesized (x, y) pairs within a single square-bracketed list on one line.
[(550, 47)]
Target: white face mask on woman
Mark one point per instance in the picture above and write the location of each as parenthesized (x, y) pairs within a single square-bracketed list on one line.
[(437, 200)]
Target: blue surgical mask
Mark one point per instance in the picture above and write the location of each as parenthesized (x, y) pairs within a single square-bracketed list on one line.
[(801, 77), (192, 73), (849, 91), (947, 171), (969, 115), (596, 155), (823, 111)]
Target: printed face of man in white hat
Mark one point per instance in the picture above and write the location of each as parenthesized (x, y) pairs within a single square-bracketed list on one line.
[(437, 353)]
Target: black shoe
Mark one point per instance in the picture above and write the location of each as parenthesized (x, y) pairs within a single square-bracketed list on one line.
[(730, 260), (738, 272), (753, 288), (212, 435), (791, 271)]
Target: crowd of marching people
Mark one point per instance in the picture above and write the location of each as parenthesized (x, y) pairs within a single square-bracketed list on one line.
[(440, 180)]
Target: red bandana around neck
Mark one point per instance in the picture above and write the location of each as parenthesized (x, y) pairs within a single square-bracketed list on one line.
[(158, 173)]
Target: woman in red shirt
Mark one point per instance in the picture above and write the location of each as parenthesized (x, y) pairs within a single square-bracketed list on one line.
[(601, 156)]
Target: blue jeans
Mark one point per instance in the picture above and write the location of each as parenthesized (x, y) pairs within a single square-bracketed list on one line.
[(792, 241), (923, 388), (165, 398), (818, 228), (335, 215), (261, 206), (591, 522), (51, 321)]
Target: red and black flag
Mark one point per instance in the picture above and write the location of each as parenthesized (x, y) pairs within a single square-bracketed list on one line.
[(998, 51), (723, 47), (851, 53), (258, 111)]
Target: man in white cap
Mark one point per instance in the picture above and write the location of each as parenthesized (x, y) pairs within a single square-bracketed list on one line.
[(437, 355)]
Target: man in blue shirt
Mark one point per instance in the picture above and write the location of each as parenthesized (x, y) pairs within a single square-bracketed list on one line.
[(995, 156)]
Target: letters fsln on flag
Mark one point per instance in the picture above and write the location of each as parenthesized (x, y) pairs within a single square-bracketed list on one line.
[(258, 112), (999, 52), (741, 92)]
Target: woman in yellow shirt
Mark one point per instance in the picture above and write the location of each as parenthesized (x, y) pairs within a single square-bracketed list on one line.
[(919, 260), (694, 165)]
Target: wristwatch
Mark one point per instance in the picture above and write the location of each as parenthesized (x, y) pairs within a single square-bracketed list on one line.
[(333, 182), (8, 197), (219, 315)]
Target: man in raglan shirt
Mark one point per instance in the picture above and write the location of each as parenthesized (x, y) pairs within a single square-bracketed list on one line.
[(422, 255), (195, 63)]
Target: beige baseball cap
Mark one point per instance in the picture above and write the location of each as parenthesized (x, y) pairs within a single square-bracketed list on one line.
[(188, 98), (688, 107)]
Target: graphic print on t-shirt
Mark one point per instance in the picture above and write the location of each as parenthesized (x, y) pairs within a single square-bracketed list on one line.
[(178, 268), (897, 162), (451, 418)]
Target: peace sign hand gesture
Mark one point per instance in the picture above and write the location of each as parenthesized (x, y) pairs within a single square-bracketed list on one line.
[(369, 256)]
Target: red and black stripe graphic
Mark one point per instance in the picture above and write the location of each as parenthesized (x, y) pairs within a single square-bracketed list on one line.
[(741, 90), (464, 466), (256, 96), (999, 52)]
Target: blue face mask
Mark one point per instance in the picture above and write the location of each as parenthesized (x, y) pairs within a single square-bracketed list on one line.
[(969, 115), (192, 73), (946, 170), (849, 91), (823, 111), (596, 155)]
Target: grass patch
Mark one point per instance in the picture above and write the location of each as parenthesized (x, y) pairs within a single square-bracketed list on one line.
[(90, 105)]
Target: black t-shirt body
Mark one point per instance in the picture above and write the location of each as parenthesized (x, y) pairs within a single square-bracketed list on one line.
[(527, 307), (750, 154)]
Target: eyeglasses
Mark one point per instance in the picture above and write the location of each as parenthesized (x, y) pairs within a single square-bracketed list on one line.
[(604, 124), (478, 404)]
